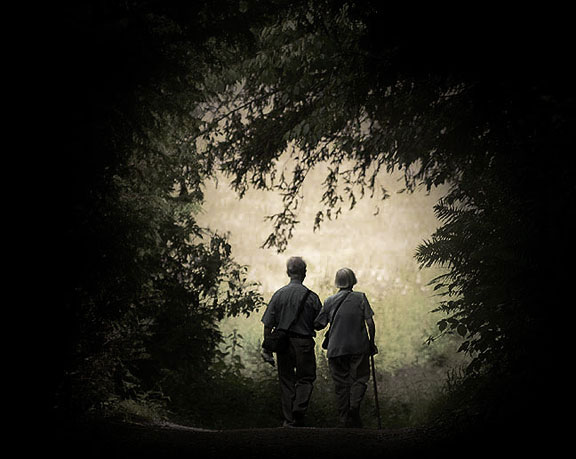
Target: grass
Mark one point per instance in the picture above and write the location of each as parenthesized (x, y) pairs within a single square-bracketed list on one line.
[(411, 374), (379, 248)]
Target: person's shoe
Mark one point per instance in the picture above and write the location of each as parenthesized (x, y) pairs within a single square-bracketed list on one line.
[(354, 420), (298, 419), (288, 424)]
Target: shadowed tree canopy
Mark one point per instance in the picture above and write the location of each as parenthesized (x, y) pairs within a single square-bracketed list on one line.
[(158, 96), (139, 287), (482, 103)]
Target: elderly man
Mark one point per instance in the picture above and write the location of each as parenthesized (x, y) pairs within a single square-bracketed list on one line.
[(350, 345), (293, 308)]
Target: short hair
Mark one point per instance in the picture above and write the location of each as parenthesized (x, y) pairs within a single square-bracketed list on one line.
[(345, 278), (296, 267)]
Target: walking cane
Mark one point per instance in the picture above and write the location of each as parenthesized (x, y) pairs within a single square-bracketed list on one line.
[(376, 393)]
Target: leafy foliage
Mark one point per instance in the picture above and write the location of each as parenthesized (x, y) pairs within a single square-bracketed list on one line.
[(309, 88), (158, 96), (334, 82), (146, 286)]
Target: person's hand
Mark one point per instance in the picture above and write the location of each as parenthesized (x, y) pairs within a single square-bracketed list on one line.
[(268, 357)]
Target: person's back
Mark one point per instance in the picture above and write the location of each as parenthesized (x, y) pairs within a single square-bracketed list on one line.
[(351, 342), (348, 333), (282, 310)]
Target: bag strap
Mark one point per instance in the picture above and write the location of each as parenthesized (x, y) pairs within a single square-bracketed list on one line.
[(338, 307), (300, 308)]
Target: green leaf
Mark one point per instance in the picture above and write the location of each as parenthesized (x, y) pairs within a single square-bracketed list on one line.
[(461, 329)]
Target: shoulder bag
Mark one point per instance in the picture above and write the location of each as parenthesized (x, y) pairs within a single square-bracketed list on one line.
[(278, 340)]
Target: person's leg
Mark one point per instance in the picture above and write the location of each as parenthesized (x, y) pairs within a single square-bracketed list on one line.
[(360, 375), (305, 376), (287, 377), (341, 377)]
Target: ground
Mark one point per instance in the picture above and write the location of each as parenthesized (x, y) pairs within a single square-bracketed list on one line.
[(127, 440)]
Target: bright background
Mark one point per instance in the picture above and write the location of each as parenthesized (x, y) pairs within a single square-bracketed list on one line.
[(379, 249)]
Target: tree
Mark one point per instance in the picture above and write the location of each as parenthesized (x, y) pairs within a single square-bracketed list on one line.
[(142, 287), (157, 95), (336, 82)]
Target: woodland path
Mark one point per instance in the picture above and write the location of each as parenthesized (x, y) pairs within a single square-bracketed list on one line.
[(123, 440)]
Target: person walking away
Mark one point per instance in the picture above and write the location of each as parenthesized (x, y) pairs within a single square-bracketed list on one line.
[(350, 345), (296, 364)]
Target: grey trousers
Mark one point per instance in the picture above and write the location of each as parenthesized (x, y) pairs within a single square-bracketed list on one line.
[(296, 373), (351, 374)]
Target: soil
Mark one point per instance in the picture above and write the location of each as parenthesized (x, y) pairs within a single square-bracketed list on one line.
[(127, 440)]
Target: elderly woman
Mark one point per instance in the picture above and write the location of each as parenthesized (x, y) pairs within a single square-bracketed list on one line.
[(350, 344)]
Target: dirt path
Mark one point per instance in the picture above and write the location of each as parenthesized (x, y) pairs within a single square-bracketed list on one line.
[(169, 440), (121, 440)]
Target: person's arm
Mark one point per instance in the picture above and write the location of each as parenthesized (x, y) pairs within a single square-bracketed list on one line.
[(372, 335), (267, 356), (322, 320), (370, 325), (269, 321), (371, 330)]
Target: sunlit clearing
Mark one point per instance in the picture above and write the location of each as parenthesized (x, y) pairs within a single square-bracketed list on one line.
[(377, 240)]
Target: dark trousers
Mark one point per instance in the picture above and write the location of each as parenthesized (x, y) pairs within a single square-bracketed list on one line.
[(351, 374), (296, 373)]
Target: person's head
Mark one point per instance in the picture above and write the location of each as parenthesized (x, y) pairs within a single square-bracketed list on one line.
[(345, 278), (296, 268)]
